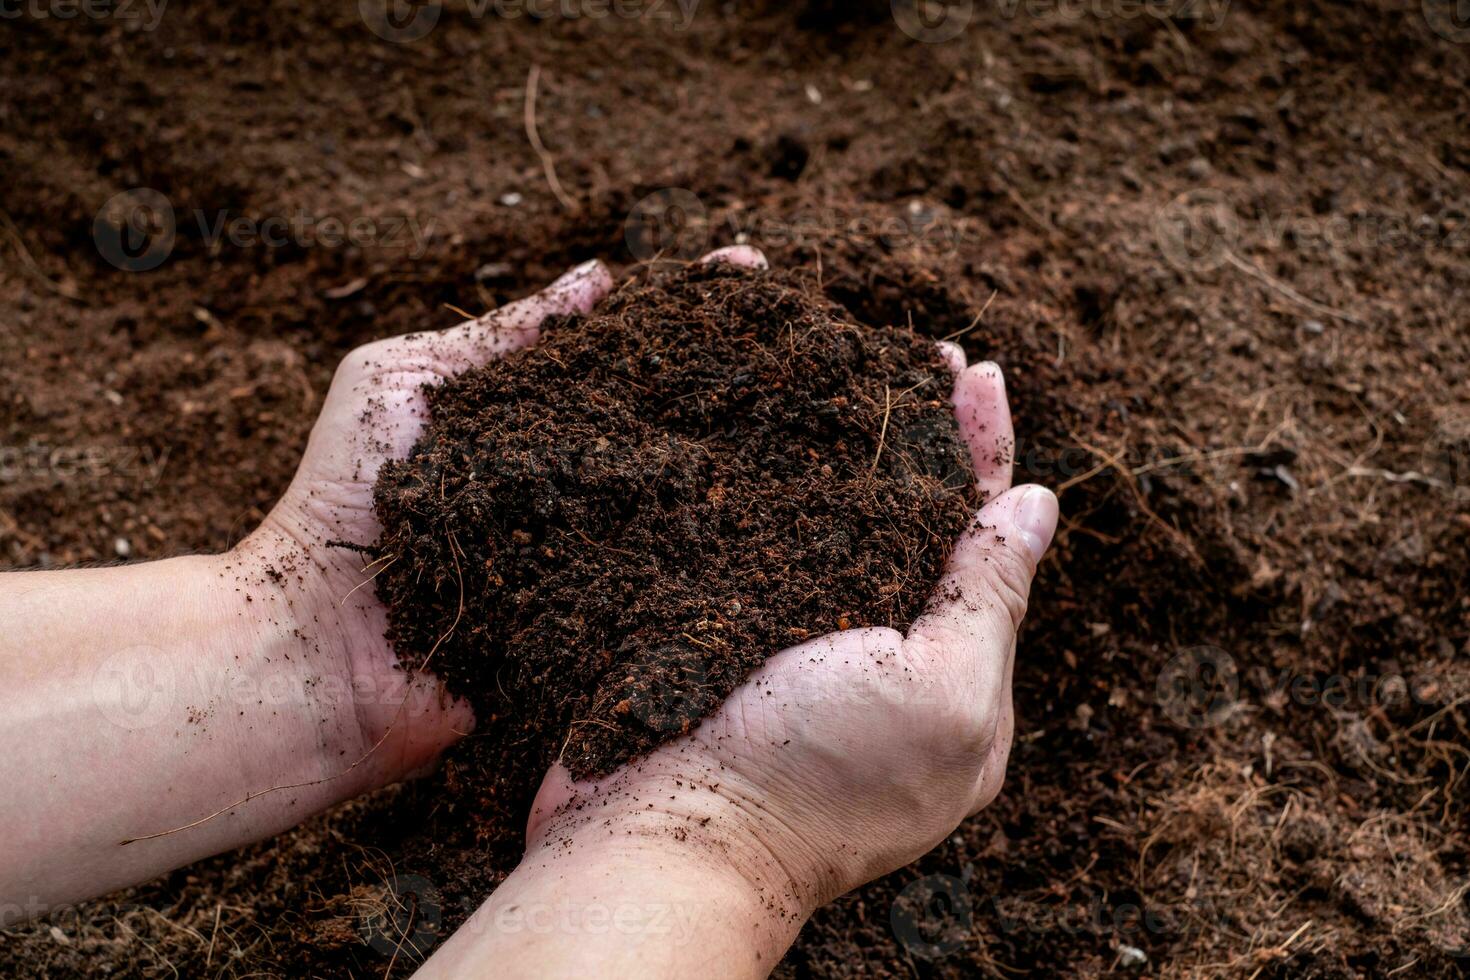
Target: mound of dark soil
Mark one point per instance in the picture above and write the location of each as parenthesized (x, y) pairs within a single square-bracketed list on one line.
[(597, 540)]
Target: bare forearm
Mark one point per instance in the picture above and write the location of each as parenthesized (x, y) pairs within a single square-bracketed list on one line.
[(140, 700)]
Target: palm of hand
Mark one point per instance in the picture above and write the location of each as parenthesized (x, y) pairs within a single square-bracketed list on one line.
[(375, 411), (863, 735)]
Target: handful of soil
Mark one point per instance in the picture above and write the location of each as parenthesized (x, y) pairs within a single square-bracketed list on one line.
[(598, 539)]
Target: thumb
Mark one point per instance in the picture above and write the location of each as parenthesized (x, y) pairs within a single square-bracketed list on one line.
[(983, 595), (558, 790), (513, 326)]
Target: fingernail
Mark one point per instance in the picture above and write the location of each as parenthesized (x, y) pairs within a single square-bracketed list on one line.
[(1036, 520)]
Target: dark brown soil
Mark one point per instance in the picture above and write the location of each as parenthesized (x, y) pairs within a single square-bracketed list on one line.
[(1239, 471), (597, 540)]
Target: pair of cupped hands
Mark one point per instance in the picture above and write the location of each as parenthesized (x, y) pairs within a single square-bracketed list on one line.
[(840, 760)]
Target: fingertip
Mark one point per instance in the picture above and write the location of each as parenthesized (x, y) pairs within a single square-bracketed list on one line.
[(954, 356), (745, 256), (985, 375), (583, 287), (984, 418)]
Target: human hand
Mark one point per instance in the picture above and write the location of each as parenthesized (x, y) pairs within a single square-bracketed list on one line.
[(848, 756), (375, 411)]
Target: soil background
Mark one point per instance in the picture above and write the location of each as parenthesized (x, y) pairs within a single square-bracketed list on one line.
[(1222, 255)]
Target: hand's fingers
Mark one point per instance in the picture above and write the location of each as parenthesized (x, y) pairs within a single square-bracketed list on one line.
[(514, 325), (954, 356), (984, 417), (746, 256), (980, 602)]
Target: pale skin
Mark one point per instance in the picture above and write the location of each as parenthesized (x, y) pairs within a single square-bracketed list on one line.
[(144, 699)]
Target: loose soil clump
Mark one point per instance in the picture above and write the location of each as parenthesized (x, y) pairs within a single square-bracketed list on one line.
[(598, 539)]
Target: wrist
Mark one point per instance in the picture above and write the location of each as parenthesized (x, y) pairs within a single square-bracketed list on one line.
[(276, 682), (385, 724), (695, 817), (615, 886)]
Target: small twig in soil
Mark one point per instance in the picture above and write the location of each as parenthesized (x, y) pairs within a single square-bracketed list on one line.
[(402, 938), (367, 580), (548, 162), (882, 433), (978, 317), (1291, 294), (209, 957), (64, 290)]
